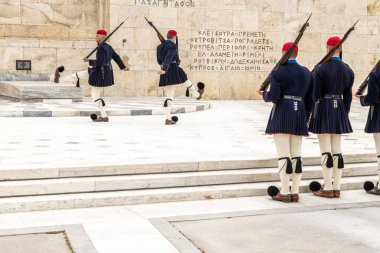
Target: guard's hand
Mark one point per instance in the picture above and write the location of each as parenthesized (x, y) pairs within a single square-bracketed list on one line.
[(85, 59), (260, 92), (357, 96), (126, 69), (161, 72)]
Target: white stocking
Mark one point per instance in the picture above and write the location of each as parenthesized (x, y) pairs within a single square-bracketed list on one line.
[(337, 155), (194, 93), (169, 91), (325, 147), (295, 152), (95, 95), (283, 151), (376, 137)]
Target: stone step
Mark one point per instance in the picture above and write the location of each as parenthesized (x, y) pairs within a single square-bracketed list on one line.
[(38, 91), (84, 200), (44, 173), (163, 180)]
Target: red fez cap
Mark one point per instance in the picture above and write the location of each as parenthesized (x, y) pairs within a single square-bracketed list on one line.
[(287, 45), (172, 32), (102, 32), (333, 41)]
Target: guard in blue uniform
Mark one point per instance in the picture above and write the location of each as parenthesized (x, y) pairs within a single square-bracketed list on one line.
[(292, 94), (372, 99), (101, 73), (172, 74), (333, 92)]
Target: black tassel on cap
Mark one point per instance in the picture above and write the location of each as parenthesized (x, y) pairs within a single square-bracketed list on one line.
[(329, 162), (298, 164), (289, 167), (340, 161)]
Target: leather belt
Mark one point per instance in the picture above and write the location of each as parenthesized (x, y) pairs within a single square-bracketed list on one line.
[(332, 96), (173, 62), (293, 98)]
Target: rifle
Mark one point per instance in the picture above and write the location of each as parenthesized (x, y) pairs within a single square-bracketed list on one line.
[(364, 85), (332, 51), (159, 35), (285, 57), (105, 39), (179, 61)]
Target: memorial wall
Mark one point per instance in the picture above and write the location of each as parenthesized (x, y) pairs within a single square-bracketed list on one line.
[(230, 45)]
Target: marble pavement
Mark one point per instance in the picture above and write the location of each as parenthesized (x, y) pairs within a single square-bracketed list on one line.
[(231, 130)]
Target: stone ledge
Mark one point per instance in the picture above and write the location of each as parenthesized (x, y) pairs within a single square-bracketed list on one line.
[(39, 91)]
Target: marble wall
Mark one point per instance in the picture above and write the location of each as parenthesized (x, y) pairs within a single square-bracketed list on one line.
[(231, 45)]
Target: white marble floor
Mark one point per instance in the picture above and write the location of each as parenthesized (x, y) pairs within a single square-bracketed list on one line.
[(231, 130)]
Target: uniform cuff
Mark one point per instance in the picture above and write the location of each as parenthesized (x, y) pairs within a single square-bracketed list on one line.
[(362, 101), (265, 96), (165, 67)]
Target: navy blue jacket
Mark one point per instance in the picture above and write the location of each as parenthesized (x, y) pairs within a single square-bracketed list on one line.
[(294, 80), (101, 73), (373, 95), (167, 53), (334, 78)]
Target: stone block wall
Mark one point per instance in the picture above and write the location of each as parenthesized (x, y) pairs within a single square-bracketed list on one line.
[(231, 45)]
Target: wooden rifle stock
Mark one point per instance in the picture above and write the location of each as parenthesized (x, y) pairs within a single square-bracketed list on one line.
[(105, 39), (332, 51), (159, 35), (285, 57), (364, 85)]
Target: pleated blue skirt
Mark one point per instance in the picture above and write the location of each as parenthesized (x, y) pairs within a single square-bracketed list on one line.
[(373, 120), (174, 75), (99, 78), (288, 117), (330, 117)]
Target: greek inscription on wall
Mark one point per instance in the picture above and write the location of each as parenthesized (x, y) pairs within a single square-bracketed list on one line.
[(166, 3), (222, 50)]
